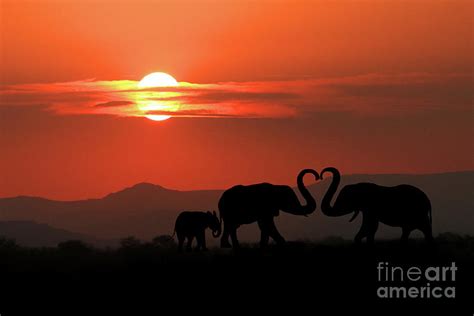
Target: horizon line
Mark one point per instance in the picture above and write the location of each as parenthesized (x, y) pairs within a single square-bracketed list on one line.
[(220, 189)]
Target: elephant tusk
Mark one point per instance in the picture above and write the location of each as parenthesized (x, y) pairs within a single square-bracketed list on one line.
[(354, 216)]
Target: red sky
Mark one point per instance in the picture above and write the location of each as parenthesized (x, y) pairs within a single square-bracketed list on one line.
[(277, 86)]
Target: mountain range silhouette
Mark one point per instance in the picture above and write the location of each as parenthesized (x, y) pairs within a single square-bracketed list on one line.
[(32, 234), (146, 210)]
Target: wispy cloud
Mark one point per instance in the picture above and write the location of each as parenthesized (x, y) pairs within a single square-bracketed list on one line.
[(373, 94), (113, 104)]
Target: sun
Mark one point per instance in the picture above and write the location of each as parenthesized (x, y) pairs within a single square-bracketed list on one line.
[(157, 79), (153, 80), (158, 117)]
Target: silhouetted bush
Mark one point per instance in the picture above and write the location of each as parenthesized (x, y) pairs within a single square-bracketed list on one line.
[(8, 243), (450, 237), (74, 246), (457, 243), (456, 239), (329, 266), (130, 242), (164, 241)]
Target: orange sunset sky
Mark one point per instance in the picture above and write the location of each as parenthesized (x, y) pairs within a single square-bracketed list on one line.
[(266, 88)]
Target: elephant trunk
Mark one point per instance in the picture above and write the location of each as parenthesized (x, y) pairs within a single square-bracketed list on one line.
[(310, 206), (217, 233), (326, 207)]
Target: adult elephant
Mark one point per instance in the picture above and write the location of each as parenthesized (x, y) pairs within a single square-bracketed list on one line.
[(402, 206), (245, 204)]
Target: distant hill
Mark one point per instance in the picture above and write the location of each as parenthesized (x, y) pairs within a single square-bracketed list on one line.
[(32, 234), (146, 210)]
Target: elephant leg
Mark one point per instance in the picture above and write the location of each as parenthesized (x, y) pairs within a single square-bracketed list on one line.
[(372, 227), (405, 234), (202, 240), (428, 232), (180, 242), (274, 233), (233, 236), (264, 234), (198, 242), (225, 237), (368, 229), (189, 244), (361, 234)]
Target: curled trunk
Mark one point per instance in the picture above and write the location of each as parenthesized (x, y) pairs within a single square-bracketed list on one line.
[(217, 233), (326, 207), (310, 206)]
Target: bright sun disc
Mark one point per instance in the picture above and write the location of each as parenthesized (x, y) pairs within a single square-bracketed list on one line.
[(153, 80), (157, 79), (158, 117)]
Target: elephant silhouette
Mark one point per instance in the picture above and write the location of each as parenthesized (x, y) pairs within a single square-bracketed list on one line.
[(245, 204), (402, 206), (190, 225)]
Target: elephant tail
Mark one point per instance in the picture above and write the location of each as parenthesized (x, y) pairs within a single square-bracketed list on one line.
[(220, 207), (172, 236), (430, 214), (174, 232)]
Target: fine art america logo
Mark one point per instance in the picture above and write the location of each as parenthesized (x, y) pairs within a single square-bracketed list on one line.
[(416, 282)]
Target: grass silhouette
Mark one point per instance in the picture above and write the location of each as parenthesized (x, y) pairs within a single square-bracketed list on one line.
[(299, 271)]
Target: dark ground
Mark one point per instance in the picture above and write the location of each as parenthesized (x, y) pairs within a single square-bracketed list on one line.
[(299, 278)]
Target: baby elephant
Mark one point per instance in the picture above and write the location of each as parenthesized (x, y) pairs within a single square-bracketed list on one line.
[(193, 224)]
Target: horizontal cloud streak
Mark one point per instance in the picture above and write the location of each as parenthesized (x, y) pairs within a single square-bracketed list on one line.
[(374, 94), (215, 96), (191, 113), (113, 104)]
